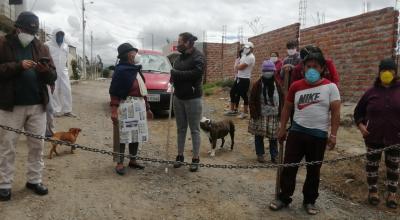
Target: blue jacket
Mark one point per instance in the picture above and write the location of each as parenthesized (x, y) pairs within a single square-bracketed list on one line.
[(123, 77)]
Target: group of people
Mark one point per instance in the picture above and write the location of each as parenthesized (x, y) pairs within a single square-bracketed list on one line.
[(34, 86), (296, 100)]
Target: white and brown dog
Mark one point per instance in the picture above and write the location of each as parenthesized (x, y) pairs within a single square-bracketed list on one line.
[(218, 130)]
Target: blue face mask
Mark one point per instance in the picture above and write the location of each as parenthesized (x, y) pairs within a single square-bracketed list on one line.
[(312, 76), (59, 39)]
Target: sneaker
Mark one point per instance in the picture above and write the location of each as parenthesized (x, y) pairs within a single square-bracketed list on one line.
[(195, 165), (5, 194), (243, 115), (231, 113), (70, 114), (179, 159), (39, 188)]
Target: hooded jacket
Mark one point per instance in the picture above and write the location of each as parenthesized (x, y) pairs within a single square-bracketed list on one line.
[(10, 70)]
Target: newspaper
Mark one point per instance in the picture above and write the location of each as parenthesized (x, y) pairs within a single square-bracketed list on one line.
[(132, 121)]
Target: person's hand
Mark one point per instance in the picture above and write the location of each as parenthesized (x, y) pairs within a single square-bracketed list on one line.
[(28, 64), (150, 115), (282, 135), (331, 142), (114, 114), (42, 68), (363, 130)]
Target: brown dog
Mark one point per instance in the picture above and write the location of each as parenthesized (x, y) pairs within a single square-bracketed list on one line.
[(69, 136), (218, 130)]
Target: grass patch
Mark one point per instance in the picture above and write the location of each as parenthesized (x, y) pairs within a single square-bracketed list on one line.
[(209, 88)]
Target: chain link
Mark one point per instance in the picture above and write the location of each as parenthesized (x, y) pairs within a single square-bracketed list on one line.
[(217, 166)]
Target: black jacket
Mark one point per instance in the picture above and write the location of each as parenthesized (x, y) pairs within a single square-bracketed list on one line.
[(187, 75), (10, 69)]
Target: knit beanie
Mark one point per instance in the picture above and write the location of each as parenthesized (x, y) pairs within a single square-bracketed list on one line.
[(268, 66)]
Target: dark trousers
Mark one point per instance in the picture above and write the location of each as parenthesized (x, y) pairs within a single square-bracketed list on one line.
[(273, 146), (240, 89), (133, 149), (392, 165), (301, 145)]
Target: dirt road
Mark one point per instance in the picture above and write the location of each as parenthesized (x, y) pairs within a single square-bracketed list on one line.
[(84, 185)]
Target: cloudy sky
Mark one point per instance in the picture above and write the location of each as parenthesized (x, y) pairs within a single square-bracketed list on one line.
[(117, 21)]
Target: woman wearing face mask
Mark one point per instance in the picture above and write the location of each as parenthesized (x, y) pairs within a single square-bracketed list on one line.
[(316, 104), (377, 117), (187, 77), (264, 121), (127, 90), (234, 93), (274, 57)]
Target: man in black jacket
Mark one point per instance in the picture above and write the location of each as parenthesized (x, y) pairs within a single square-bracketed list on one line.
[(187, 77), (25, 71)]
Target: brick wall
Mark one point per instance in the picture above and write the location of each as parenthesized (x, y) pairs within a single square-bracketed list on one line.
[(356, 45), (221, 67), (273, 41)]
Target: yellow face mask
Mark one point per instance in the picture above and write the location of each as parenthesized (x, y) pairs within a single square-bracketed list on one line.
[(386, 77)]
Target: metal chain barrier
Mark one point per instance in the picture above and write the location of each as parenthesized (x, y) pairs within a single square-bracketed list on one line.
[(219, 166)]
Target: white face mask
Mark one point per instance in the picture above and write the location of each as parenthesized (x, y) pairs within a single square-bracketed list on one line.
[(273, 59), (291, 52), (137, 59), (267, 75), (25, 38)]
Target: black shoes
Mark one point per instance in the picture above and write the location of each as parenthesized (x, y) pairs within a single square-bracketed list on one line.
[(195, 165), (135, 165), (5, 194), (179, 159), (38, 189)]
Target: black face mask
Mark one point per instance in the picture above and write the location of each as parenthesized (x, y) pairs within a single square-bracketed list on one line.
[(181, 48)]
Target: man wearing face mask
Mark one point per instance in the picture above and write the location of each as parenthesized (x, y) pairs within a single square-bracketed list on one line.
[(24, 77), (62, 97), (284, 77), (244, 67)]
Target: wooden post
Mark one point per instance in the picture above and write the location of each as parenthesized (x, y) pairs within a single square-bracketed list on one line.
[(116, 140), (279, 170)]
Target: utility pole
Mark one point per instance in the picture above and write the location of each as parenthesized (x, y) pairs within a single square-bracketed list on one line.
[(152, 41), (83, 40), (91, 52)]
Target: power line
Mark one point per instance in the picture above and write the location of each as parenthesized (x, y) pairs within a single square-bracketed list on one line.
[(34, 4)]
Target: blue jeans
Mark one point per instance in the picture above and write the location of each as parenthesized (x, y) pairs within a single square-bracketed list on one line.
[(273, 146)]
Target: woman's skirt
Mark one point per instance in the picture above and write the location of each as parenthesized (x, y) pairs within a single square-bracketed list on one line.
[(266, 126)]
